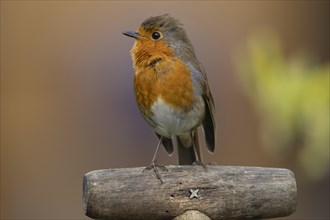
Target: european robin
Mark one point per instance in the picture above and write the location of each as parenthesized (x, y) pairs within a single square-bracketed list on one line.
[(171, 87)]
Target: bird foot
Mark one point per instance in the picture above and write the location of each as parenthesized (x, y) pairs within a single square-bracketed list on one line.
[(204, 164), (155, 166), (198, 163)]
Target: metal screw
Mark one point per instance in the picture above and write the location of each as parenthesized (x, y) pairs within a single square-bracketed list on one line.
[(194, 193)]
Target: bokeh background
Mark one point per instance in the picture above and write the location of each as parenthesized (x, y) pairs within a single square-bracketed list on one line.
[(67, 102)]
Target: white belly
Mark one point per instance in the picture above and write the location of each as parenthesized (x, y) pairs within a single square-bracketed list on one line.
[(169, 121)]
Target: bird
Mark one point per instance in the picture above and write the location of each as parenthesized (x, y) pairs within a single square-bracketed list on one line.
[(171, 88)]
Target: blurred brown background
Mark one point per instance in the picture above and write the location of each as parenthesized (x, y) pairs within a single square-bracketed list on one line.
[(67, 102)]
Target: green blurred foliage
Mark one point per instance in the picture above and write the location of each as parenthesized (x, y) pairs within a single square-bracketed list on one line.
[(292, 99)]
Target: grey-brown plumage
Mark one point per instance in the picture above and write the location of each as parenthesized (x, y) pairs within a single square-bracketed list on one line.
[(166, 29)]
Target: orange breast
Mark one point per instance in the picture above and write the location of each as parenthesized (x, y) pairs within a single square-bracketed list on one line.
[(174, 86), (158, 75)]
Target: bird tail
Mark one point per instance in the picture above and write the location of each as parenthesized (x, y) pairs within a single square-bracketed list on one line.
[(186, 152)]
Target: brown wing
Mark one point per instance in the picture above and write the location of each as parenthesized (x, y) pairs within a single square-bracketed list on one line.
[(209, 122), (209, 125)]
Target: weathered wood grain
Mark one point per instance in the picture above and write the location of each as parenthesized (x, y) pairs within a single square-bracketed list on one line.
[(224, 192)]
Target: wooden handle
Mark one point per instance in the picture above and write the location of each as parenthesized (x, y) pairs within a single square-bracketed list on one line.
[(219, 192)]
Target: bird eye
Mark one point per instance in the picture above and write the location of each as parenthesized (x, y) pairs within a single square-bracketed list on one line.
[(156, 35)]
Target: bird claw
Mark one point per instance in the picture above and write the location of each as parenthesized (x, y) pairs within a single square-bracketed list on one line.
[(198, 163), (154, 165), (204, 165)]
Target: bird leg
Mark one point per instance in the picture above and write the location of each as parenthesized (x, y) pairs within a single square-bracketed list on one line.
[(154, 165), (197, 160)]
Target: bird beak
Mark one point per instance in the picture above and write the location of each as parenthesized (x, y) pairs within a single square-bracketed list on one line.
[(132, 34)]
